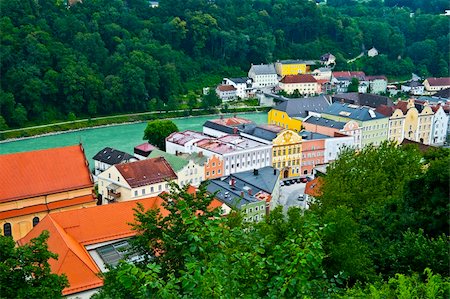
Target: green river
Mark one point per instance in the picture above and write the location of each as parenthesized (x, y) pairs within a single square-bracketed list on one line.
[(122, 137)]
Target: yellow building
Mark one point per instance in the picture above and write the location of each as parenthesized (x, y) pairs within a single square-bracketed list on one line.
[(290, 112), (37, 183), (287, 153), (408, 122), (293, 67)]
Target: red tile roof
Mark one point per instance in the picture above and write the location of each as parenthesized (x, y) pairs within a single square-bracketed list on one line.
[(47, 207), (289, 79), (347, 74), (146, 147), (231, 121), (444, 81), (42, 172), (380, 77), (226, 88), (146, 172), (71, 231), (313, 188), (385, 110)]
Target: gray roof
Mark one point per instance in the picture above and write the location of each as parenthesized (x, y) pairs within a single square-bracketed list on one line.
[(363, 99), (240, 79), (229, 129), (112, 156), (413, 84), (359, 113), (320, 121), (263, 133), (263, 69), (265, 180), (298, 61), (300, 107), (308, 135)]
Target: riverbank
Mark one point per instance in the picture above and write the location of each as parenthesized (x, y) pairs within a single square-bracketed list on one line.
[(77, 125)]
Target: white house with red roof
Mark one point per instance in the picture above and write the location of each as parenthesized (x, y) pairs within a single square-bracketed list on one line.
[(433, 85), (305, 84)]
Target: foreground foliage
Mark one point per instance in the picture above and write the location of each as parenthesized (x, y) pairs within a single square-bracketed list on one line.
[(364, 237), (25, 271)]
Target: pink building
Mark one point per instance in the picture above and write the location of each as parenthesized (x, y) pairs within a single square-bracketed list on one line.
[(313, 151)]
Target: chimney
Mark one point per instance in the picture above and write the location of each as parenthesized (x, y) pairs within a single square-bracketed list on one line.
[(235, 130), (200, 154), (255, 171), (232, 182), (242, 193), (250, 192)]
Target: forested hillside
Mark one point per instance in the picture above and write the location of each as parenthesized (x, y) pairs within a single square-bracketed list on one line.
[(103, 57)]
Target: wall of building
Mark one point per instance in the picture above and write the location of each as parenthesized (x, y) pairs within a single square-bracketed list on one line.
[(313, 152), (334, 146), (255, 211), (286, 154), (291, 69), (303, 88), (191, 174), (439, 127), (282, 119), (214, 168)]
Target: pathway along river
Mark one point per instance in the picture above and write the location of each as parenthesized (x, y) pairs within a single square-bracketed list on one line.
[(122, 137)]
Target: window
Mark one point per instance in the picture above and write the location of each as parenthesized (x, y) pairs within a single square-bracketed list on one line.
[(213, 172), (109, 175), (159, 187), (207, 173), (152, 189), (213, 164), (135, 193), (111, 254), (256, 208), (118, 179), (143, 191), (7, 231), (218, 171), (35, 221)]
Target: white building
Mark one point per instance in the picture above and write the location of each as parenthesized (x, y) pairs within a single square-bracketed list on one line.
[(244, 86), (377, 84), (226, 92), (107, 157), (372, 52), (187, 170), (334, 146), (238, 153), (135, 180), (439, 127), (413, 88), (263, 75), (183, 142)]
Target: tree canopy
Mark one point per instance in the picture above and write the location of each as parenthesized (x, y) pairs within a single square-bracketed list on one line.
[(157, 131), (105, 57), (25, 271)]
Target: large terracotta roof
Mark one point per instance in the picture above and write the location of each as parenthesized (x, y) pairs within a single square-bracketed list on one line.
[(445, 81), (42, 172), (47, 207), (146, 172), (298, 79), (71, 231)]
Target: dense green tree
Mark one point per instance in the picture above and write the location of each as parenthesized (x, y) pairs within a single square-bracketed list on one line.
[(157, 131), (210, 100), (353, 86), (25, 271)]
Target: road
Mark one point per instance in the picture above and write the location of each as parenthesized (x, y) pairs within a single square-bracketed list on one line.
[(289, 197)]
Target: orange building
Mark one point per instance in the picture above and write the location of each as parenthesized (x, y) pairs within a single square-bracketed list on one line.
[(87, 240), (37, 183), (213, 168), (313, 151)]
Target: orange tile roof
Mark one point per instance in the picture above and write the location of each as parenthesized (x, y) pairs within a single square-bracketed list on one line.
[(298, 79), (47, 207), (71, 231), (145, 172), (313, 187), (43, 172)]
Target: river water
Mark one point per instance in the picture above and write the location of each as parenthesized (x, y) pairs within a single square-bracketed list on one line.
[(122, 137)]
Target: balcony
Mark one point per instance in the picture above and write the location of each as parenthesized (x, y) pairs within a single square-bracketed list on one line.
[(113, 192)]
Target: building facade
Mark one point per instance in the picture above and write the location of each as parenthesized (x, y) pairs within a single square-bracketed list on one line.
[(287, 154), (303, 84), (293, 67), (439, 126), (40, 182), (433, 85), (135, 180), (313, 151), (263, 75)]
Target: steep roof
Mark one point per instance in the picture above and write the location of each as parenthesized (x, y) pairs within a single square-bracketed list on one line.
[(263, 69), (297, 79), (362, 99), (265, 179), (177, 163), (112, 156), (443, 81), (385, 110), (300, 107), (41, 172), (359, 113), (146, 172), (71, 231), (320, 121), (346, 75), (224, 87)]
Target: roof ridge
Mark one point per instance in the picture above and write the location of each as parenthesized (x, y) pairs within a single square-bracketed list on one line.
[(71, 244)]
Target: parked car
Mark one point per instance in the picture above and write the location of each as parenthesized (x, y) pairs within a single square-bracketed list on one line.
[(301, 197), (286, 183), (303, 180)]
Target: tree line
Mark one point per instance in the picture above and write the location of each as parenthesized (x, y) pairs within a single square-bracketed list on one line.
[(104, 57)]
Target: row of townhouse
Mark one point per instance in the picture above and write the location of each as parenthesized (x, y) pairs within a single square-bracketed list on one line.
[(369, 119), (296, 76)]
